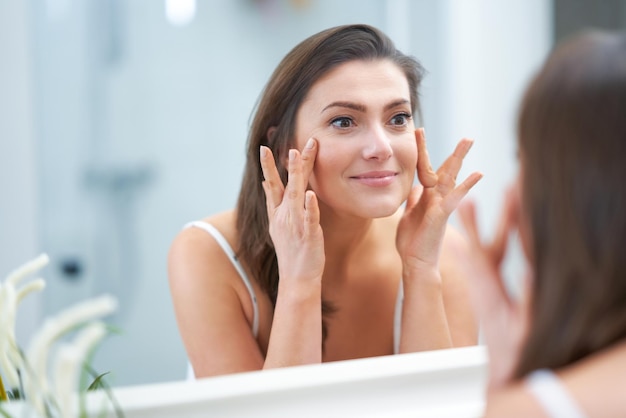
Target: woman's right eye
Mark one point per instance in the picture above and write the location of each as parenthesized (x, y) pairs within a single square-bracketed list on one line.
[(342, 122)]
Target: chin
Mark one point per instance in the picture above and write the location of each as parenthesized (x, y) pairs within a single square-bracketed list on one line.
[(379, 209)]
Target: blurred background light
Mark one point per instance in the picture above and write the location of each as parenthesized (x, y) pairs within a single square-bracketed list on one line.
[(180, 12)]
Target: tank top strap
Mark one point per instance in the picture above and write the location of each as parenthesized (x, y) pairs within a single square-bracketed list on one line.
[(552, 395)]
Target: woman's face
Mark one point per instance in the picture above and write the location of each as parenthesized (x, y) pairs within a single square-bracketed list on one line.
[(360, 114)]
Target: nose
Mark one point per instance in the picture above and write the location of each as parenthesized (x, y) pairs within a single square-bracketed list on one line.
[(377, 145)]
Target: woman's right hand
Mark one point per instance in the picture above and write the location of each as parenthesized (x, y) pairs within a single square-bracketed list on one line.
[(294, 216)]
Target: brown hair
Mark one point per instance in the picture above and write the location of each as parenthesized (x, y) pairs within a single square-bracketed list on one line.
[(279, 103), (572, 138)]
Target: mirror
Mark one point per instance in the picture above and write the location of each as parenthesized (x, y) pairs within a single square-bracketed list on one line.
[(136, 117)]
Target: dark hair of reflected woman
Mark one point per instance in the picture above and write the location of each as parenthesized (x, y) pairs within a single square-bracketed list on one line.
[(572, 143)]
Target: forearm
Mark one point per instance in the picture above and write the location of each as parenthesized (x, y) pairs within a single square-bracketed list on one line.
[(296, 336), (424, 322)]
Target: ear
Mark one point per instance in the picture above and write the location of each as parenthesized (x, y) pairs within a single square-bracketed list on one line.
[(270, 133)]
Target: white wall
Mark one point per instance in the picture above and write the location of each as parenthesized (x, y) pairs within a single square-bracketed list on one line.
[(480, 55), (18, 171)]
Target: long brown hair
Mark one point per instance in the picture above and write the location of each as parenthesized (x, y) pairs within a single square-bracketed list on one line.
[(572, 138), (277, 108)]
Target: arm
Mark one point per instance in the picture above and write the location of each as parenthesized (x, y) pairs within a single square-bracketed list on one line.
[(420, 237), (211, 312)]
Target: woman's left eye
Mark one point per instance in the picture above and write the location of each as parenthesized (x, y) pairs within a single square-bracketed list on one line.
[(401, 119)]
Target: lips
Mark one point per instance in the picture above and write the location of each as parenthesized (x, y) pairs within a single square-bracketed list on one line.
[(376, 178)]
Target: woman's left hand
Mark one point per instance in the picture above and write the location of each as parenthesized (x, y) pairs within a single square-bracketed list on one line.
[(429, 205), (504, 318)]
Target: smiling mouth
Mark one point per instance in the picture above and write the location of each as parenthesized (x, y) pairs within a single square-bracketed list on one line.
[(376, 179), (375, 175)]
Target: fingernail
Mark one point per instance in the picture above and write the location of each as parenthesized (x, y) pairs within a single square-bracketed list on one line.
[(423, 132), (263, 151), (310, 143), (292, 154)]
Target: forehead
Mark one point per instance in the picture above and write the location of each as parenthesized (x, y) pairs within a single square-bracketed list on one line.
[(360, 81)]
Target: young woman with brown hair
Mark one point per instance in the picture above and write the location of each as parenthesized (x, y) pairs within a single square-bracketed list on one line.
[(561, 350), (332, 253)]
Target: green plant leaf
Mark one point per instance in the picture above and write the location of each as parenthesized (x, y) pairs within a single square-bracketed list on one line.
[(101, 385), (98, 383)]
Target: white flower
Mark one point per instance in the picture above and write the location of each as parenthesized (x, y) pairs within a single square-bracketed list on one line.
[(68, 365), (8, 348), (32, 266), (36, 385), (10, 297), (70, 356)]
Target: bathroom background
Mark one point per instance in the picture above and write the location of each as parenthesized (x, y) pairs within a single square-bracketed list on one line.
[(121, 120)]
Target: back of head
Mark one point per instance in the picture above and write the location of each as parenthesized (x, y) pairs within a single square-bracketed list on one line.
[(277, 109), (572, 138)]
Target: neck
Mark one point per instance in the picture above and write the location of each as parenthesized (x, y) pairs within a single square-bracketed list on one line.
[(346, 238)]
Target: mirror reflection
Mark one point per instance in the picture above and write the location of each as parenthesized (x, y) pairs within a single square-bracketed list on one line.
[(137, 115)]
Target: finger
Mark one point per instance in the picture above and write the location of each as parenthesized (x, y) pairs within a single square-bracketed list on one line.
[(272, 185), (269, 204), (312, 213), (294, 191), (425, 172), (452, 199), (309, 153), (452, 165), (492, 289)]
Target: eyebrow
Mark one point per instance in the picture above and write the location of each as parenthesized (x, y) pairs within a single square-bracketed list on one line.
[(361, 108)]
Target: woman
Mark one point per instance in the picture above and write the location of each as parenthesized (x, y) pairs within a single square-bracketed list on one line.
[(561, 350), (325, 262)]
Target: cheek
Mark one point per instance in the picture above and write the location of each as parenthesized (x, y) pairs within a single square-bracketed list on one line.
[(325, 161), (406, 152)]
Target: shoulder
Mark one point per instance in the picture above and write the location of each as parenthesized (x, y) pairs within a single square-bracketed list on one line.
[(514, 401), (203, 282), (596, 382), (224, 223), (213, 309), (194, 250), (594, 385)]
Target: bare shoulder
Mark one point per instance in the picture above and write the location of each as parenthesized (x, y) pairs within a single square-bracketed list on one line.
[(194, 247), (197, 266), (597, 382), (594, 385), (514, 401), (212, 308)]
